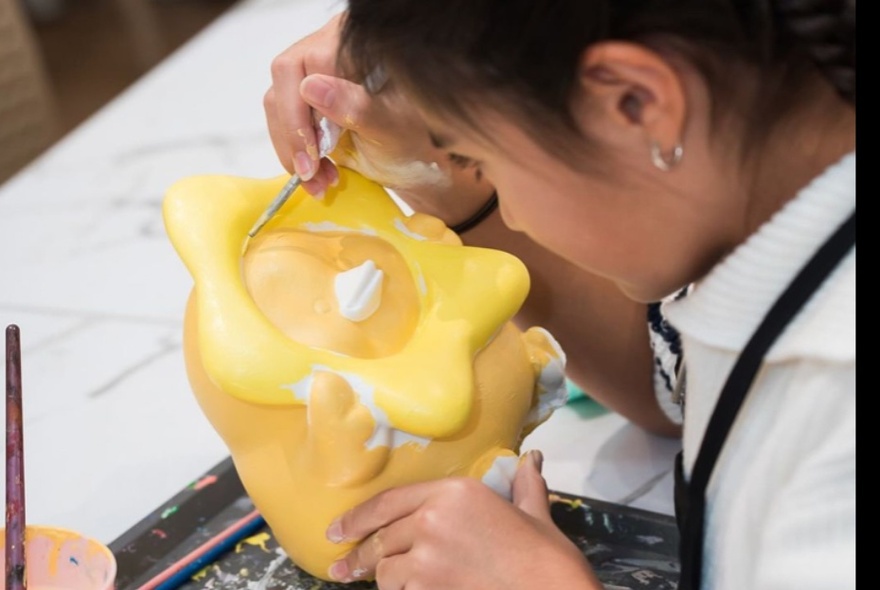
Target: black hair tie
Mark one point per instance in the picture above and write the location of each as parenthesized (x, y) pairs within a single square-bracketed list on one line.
[(485, 211)]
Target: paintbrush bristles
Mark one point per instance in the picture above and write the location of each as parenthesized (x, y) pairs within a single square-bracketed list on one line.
[(16, 577)]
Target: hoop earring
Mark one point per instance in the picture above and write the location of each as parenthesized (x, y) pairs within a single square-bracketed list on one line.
[(662, 162)]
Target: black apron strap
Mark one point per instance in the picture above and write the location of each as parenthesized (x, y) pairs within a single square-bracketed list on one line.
[(691, 495)]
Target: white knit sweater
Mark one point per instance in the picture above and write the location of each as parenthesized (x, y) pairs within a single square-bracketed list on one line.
[(781, 502)]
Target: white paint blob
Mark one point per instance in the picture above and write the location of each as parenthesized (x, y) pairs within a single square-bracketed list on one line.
[(329, 136), (552, 390), (402, 228), (359, 291), (329, 226), (500, 476)]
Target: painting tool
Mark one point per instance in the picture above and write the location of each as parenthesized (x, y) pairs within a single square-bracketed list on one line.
[(329, 137), (208, 552), (273, 208), (15, 520)]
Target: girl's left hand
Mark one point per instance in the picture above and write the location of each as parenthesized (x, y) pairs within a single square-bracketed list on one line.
[(458, 533)]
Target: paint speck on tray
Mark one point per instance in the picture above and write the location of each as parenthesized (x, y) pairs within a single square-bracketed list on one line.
[(204, 482)]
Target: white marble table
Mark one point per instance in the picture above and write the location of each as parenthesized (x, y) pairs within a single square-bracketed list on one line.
[(111, 429)]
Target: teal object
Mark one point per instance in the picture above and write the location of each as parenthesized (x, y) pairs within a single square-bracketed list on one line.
[(574, 392), (585, 406)]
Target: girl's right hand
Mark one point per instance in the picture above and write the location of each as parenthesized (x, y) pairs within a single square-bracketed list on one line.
[(385, 138)]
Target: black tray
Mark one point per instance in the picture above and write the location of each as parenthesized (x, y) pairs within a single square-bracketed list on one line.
[(628, 547)]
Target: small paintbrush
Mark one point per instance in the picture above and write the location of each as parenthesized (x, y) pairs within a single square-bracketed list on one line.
[(273, 207), (329, 132)]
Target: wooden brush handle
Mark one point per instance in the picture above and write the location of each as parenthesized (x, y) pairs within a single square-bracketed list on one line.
[(15, 519)]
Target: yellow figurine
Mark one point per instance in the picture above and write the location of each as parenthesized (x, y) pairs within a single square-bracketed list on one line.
[(351, 349)]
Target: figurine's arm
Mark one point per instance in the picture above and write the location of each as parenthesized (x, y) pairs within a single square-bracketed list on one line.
[(339, 430)]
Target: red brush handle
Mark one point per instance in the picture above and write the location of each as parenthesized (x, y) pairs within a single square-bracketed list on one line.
[(178, 572)]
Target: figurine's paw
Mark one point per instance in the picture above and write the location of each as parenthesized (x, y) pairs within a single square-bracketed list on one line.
[(340, 428), (548, 361), (431, 228)]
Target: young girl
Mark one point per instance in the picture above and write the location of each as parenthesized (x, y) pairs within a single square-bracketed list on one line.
[(639, 148)]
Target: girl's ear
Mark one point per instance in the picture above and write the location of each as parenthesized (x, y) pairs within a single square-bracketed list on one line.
[(630, 91)]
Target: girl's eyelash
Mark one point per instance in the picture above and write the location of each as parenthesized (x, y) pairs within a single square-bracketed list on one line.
[(460, 161), (465, 162)]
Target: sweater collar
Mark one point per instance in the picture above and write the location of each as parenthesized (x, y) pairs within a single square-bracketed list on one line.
[(725, 308)]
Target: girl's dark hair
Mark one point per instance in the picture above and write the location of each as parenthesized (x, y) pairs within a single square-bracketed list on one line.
[(827, 32), (522, 55)]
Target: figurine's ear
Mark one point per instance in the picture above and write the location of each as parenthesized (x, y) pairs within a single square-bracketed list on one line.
[(548, 362), (432, 228)]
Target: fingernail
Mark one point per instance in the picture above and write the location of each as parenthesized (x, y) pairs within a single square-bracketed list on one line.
[(318, 92), (334, 177), (537, 458), (304, 165), (339, 571), (315, 188), (334, 532)]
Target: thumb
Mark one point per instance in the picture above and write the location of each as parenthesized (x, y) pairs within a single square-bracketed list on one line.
[(530, 489), (342, 102)]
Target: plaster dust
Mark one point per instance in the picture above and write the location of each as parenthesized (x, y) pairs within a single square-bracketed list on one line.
[(399, 174)]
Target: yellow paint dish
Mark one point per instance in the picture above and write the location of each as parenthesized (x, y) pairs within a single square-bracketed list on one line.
[(61, 559)]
